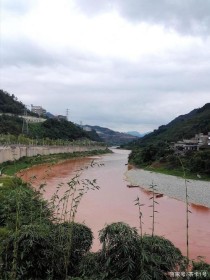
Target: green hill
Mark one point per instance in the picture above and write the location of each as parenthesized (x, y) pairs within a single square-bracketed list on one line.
[(182, 127), (11, 123), (10, 104), (10, 108), (58, 129), (156, 151)]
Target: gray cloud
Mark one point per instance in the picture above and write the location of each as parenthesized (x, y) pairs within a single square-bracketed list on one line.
[(120, 97), (114, 92), (188, 17), (23, 51)]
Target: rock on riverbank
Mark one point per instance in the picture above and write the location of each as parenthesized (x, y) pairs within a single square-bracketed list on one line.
[(172, 186)]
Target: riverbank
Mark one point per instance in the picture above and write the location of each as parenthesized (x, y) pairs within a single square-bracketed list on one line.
[(12, 167), (172, 186)]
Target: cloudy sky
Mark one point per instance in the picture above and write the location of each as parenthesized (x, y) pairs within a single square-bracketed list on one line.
[(122, 64)]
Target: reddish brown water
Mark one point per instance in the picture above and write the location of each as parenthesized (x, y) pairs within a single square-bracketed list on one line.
[(115, 202)]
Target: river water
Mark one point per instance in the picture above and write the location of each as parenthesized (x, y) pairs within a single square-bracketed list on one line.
[(114, 202)]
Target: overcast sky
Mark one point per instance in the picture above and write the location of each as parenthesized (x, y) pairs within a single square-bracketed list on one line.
[(122, 64)]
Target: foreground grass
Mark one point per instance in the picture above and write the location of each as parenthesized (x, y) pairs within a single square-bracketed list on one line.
[(12, 167)]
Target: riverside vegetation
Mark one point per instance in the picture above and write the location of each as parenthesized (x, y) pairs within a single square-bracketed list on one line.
[(154, 150), (41, 240), (161, 157)]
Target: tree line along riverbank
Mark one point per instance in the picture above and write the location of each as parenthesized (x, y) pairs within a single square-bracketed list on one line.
[(162, 158)]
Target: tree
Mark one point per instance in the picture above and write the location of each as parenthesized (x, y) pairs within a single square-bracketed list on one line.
[(125, 255)]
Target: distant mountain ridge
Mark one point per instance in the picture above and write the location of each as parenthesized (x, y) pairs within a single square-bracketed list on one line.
[(136, 133), (182, 127), (111, 137)]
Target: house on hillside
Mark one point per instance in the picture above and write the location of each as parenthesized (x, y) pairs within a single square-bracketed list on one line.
[(200, 141)]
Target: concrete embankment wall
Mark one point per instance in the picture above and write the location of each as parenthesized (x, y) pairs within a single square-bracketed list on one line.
[(15, 152)]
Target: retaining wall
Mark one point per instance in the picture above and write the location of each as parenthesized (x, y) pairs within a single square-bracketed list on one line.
[(15, 152)]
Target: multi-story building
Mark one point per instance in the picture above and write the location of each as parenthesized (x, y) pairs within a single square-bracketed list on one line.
[(203, 139), (38, 110), (199, 141)]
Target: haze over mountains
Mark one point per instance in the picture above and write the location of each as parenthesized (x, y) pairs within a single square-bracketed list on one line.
[(111, 137), (136, 133)]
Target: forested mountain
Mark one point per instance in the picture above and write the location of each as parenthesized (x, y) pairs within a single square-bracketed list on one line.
[(182, 127), (135, 133), (10, 125), (57, 129), (51, 128), (10, 104), (111, 137), (156, 150)]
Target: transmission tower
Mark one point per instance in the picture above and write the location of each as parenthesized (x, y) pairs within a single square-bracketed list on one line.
[(25, 122), (67, 114)]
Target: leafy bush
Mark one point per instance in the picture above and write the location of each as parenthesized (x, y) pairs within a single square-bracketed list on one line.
[(31, 245), (72, 242), (201, 266), (162, 256), (125, 255), (90, 266), (42, 250), (27, 253), (21, 205), (120, 251)]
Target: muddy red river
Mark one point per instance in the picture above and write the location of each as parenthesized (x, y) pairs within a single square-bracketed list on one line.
[(114, 202)]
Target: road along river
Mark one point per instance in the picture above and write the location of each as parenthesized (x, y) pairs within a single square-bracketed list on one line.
[(114, 201)]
